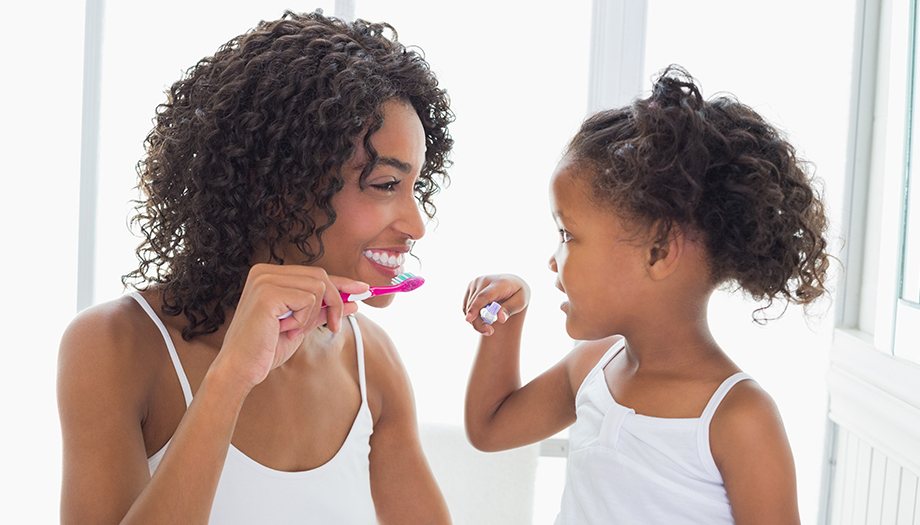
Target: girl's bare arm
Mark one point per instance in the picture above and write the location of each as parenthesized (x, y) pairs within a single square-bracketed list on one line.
[(750, 447), (500, 412)]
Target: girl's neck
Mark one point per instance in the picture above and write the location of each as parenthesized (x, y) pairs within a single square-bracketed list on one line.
[(672, 344)]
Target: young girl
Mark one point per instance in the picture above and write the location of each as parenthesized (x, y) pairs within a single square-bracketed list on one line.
[(657, 205)]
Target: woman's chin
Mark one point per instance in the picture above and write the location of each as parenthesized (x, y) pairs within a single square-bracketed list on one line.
[(381, 301)]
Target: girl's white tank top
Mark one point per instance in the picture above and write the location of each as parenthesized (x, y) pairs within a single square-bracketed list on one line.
[(628, 468), (248, 492)]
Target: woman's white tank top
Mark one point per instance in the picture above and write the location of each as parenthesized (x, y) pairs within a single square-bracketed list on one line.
[(337, 492)]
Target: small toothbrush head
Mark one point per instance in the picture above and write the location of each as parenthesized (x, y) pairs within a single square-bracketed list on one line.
[(489, 314)]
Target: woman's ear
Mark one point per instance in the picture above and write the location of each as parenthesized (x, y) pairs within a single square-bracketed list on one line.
[(664, 254)]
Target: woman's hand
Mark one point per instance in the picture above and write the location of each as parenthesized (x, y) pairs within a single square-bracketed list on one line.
[(257, 341), (508, 290)]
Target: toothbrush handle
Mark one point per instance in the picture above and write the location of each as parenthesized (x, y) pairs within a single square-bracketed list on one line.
[(346, 298)]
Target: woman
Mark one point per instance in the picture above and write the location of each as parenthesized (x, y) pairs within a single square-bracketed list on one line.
[(290, 166)]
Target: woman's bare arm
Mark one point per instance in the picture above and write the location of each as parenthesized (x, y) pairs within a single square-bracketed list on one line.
[(102, 401), (402, 485), (103, 390)]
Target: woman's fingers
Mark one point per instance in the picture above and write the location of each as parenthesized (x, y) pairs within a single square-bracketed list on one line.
[(301, 292), (346, 285)]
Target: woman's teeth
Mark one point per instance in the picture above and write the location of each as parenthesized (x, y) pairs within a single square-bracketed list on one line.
[(390, 260)]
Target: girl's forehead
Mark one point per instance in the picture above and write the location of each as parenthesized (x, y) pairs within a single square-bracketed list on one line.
[(569, 181)]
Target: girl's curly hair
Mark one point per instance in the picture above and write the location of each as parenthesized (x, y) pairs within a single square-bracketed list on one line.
[(716, 168), (247, 151)]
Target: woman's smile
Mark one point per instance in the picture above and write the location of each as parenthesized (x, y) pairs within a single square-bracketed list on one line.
[(377, 216), (385, 258)]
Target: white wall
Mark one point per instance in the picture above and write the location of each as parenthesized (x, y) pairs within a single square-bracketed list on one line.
[(40, 148), (517, 79)]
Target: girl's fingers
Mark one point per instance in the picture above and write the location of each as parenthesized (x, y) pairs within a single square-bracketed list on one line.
[(509, 291)]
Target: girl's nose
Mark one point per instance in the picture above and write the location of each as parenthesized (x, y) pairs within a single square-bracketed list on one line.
[(552, 264)]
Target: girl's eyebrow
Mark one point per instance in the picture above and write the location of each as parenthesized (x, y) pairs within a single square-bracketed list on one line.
[(559, 215)]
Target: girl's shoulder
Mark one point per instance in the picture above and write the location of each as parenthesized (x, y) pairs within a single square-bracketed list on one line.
[(746, 419), (585, 356), (744, 405)]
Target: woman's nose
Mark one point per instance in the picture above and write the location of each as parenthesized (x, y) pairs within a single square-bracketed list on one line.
[(552, 263), (410, 221)]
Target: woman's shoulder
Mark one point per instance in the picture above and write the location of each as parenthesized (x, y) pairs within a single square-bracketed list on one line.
[(379, 349), (389, 390), (112, 323), (109, 343)]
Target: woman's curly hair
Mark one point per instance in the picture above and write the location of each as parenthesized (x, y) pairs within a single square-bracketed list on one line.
[(717, 168), (247, 151)]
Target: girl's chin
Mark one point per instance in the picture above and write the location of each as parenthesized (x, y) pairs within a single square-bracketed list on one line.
[(581, 332)]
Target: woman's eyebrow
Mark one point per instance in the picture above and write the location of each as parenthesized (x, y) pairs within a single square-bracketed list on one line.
[(404, 167)]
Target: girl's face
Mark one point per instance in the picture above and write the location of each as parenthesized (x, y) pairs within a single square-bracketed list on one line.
[(599, 264), (376, 224)]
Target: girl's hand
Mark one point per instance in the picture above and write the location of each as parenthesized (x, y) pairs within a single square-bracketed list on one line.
[(257, 342), (508, 290)]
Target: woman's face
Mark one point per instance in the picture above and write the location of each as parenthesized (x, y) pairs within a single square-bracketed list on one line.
[(376, 224)]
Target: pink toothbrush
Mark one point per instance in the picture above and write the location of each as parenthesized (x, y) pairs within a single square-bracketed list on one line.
[(404, 282)]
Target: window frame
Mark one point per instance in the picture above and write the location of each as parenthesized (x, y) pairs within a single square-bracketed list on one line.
[(873, 369)]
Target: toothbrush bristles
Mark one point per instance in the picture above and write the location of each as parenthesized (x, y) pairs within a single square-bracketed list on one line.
[(402, 277)]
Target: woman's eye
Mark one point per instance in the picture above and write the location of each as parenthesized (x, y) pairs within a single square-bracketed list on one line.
[(564, 236), (386, 186)]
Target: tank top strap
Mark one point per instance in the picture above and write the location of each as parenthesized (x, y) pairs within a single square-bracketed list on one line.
[(599, 366), (705, 450), (173, 355), (359, 347), (609, 355)]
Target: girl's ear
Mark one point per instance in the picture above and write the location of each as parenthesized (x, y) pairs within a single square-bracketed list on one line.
[(664, 255)]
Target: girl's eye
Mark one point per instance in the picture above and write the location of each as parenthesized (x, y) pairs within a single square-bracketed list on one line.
[(421, 186), (564, 236)]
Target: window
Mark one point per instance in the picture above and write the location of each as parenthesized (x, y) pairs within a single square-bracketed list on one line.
[(907, 316)]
